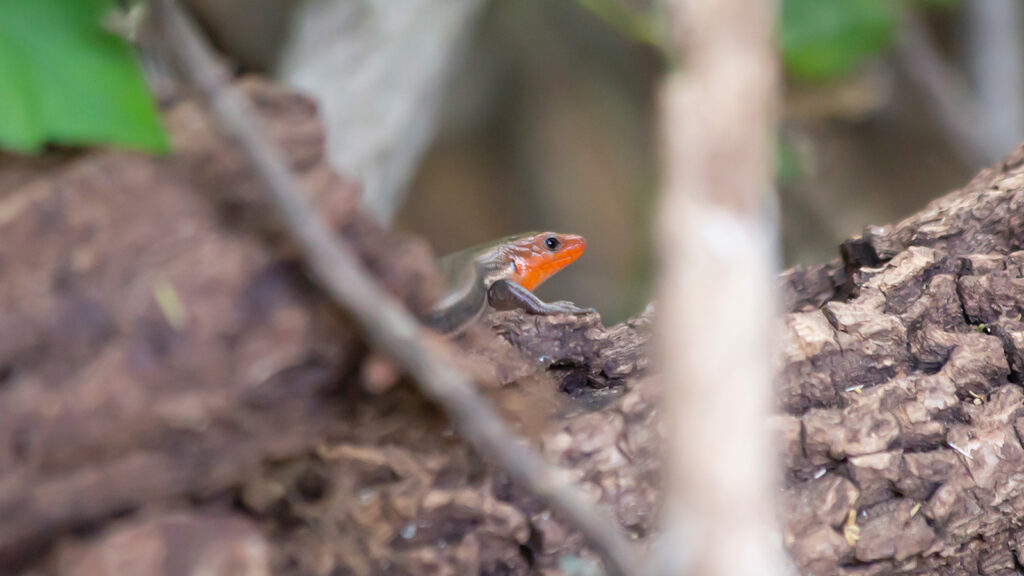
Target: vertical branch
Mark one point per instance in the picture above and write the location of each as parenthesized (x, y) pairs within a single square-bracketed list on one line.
[(954, 110), (718, 239), (380, 71), (994, 47)]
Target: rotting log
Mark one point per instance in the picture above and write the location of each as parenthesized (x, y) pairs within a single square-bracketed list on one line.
[(164, 362), (901, 396), (166, 372), (155, 342)]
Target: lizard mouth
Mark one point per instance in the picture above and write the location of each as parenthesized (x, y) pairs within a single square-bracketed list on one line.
[(567, 255), (572, 248), (545, 265)]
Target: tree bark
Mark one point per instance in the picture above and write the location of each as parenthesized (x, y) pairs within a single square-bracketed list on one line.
[(901, 393)]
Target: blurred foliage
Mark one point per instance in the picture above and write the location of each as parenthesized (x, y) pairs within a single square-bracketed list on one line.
[(939, 3), (822, 39), (638, 25), (819, 39), (65, 79)]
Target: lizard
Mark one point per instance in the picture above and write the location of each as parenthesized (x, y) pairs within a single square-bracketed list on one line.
[(502, 274)]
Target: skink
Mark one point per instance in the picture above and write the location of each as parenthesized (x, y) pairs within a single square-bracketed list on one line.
[(502, 275)]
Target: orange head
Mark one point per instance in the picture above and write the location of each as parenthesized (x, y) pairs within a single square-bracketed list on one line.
[(537, 257)]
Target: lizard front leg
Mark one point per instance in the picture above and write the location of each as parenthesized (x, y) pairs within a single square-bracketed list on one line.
[(507, 295)]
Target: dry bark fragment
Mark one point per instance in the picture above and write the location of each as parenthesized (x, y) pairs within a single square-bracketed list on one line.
[(173, 545)]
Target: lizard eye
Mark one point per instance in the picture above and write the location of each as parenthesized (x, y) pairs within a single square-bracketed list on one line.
[(552, 243)]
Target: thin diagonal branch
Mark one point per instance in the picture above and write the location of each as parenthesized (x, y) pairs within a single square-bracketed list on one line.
[(953, 108), (384, 320)]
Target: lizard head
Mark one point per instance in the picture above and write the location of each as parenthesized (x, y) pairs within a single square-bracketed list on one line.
[(538, 256)]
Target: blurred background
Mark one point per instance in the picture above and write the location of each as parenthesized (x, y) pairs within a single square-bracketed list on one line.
[(467, 120), (546, 122)]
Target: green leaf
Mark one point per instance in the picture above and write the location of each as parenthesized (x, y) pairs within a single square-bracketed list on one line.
[(822, 39), (65, 79)]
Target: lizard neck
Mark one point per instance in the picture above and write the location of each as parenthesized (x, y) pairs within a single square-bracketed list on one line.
[(468, 279)]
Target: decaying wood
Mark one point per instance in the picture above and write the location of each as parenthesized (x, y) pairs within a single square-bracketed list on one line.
[(173, 393), (902, 393), (149, 346)]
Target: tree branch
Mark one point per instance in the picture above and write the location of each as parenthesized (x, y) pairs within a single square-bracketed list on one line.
[(384, 321), (718, 243), (993, 47), (952, 107)]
